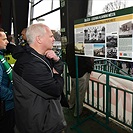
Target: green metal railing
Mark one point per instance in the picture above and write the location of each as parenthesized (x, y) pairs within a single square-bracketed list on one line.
[(107, 89), (108, 106), (109, 66)]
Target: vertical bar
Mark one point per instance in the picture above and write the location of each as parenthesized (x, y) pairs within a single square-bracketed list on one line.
[(51, 5), (98, 96), (31, 12), (124, 109), (14, 22), (107, 98), (103, 98), (132, 112), (110, 101), (77, 89), (69, 84), (88, 93), (89, 9), (93, 94), (117, 104), (66, 86)]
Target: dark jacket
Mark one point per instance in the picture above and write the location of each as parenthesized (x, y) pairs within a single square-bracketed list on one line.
[(85, 64), (37, 73), (33, 111)]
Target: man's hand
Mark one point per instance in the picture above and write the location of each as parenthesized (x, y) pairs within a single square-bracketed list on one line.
[(51, 55), (54, 71)]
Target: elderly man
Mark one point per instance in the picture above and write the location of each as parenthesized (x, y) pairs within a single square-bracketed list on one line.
[(38, 84)]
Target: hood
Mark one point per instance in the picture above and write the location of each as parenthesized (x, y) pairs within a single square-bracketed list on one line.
[(19, 50)]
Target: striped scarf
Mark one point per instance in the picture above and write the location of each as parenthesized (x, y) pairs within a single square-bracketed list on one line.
[(7, 67)]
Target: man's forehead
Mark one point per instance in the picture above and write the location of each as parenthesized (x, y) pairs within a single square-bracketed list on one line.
[(2, 33)]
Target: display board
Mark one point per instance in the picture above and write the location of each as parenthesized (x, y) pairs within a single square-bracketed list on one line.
[(108, 35)]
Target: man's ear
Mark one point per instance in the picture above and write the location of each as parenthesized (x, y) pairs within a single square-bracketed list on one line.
[(38, 39)]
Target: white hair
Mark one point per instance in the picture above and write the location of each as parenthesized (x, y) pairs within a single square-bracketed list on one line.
[(35, 30)]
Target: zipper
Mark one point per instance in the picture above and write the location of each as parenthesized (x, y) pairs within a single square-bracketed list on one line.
[(44, 62)]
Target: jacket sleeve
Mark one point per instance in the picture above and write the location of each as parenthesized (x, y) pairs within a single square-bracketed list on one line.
[(5, 92), (58, 66), (89, 61)]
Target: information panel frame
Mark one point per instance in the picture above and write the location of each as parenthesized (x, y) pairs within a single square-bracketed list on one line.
[(108, 35)]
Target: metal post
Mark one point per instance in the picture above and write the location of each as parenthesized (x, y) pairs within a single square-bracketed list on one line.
[(14, 22), (107, 98), (89, 10), (77, 87), (31, 12)]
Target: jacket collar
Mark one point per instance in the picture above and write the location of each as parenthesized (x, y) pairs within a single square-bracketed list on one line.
[(1, 52)]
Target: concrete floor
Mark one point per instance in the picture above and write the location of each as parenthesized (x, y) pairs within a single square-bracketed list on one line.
[(96, 125)]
